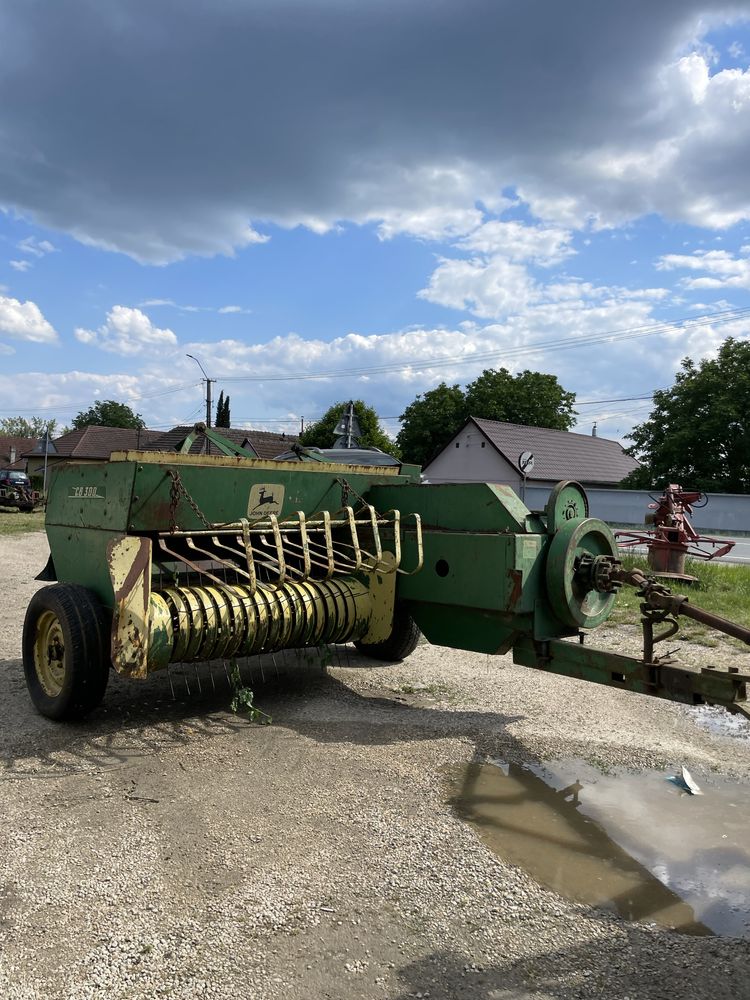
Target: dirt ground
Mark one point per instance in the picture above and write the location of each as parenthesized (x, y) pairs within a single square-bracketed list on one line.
[(167, 848)]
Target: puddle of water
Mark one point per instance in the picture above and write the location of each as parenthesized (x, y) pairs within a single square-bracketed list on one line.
[(719, 722), (632, 843)]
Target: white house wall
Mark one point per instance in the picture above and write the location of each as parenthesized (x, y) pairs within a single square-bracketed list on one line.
[(471, 458)]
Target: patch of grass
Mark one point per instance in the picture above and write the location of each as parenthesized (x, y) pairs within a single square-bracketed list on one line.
[(722, 588), (16, 522)]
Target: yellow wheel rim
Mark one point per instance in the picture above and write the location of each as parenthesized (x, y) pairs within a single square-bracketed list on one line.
[(49, 654)]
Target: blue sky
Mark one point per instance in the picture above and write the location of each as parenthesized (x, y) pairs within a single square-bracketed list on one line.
[(326, 200)]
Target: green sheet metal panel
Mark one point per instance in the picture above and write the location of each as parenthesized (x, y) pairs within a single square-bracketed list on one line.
[(460, 506), (91, 495), (237, 488)]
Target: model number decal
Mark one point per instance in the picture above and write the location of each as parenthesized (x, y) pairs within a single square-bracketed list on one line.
[(87, 493)]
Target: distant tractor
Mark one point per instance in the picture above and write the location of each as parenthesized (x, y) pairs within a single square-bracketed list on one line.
[(16, 491)]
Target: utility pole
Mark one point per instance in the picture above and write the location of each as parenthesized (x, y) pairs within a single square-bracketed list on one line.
[(209, 382)]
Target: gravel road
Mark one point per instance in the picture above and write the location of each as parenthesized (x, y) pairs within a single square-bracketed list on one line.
[(166, 848)]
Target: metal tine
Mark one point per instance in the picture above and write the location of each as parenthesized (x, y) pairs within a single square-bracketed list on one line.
[(279, 547), (211, 675), (206, 552), (235, 552), (248, 546), (355, 538), (339, 654), (420, 548), (284, 661), (375, 532), (305, 543), (171, 684), (275, 666), (200, 570), (249, 663), (342, 561), (329, 544)]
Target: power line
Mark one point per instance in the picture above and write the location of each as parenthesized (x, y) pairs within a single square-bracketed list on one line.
[(616, 336)]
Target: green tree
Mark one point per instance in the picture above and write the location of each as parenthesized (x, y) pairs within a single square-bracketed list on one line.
[(33, 427), (698, 433), (321, 434), (223, 418), (531, 398), (107, 413), (428, 423)]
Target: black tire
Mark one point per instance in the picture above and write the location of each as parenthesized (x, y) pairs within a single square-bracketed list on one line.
[(66, 656), (400, 643)]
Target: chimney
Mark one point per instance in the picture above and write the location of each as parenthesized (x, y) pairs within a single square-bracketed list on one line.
[(593, 430), (12, 454)]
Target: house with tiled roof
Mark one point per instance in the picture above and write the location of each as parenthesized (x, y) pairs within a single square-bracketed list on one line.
[(259, 444), (90, 444), (490, 451), (12, 451)]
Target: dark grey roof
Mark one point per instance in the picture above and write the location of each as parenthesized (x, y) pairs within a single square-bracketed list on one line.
[(265, 444), (559, 454)]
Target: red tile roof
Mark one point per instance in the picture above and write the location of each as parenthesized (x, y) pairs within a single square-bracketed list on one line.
[(21, 446), (265, 444), (100, 442)]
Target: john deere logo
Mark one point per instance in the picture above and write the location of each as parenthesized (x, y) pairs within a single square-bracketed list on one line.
[(571, 510), (265, 498)]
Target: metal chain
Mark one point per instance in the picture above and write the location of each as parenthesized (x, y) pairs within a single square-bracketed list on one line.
[(346, 489), (176, 490)]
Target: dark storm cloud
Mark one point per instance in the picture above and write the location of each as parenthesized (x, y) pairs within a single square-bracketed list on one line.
[(164, 128)]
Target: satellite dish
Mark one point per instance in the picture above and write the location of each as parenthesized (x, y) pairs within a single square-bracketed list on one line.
[(526, 462)]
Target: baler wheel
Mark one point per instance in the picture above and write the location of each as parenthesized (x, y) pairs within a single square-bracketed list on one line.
[(400, 643), (66, 656)]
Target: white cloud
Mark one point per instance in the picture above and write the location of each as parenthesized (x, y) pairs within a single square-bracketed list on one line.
[(410, 131), (541, 244), (24, 321), (127, 331), (152, 303), (547, 334), (37, 248), (720, 268), (20, 265), (487, 289)]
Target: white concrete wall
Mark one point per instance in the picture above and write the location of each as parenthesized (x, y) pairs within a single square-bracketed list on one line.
[(728, 512), (471, 458), (465, 460)]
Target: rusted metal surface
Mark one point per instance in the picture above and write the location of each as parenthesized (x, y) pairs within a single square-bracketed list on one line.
[(129, 562), (671, 537), (231, 462)]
